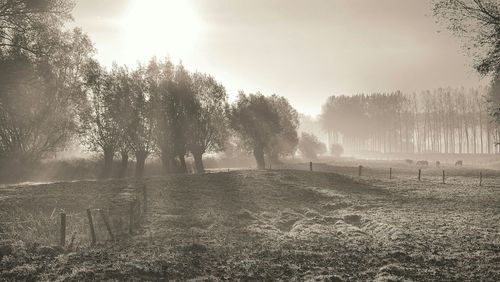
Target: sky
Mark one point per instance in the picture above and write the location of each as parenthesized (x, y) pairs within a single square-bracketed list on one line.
[(304, 50)]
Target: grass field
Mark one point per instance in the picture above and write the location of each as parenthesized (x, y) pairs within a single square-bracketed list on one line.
[(289, 225)]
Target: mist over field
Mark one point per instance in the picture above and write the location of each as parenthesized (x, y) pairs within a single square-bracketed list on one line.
[(249, 140)]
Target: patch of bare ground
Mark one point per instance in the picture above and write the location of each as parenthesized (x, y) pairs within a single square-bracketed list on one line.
[(287, 225)]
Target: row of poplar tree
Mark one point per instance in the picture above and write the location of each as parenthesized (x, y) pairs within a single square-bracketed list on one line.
[(442, 121)]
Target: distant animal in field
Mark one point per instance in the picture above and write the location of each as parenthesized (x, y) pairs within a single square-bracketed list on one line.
[(408, 161), (459, 163), (423, 163), (438, 163)]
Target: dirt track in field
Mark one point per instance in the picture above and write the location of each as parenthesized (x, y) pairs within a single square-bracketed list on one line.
[(283, 224)]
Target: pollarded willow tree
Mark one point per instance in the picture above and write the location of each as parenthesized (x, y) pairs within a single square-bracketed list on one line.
[(99, 127), (207, 126), (261, 122), (285, 142), (140, 137), (175, 103)]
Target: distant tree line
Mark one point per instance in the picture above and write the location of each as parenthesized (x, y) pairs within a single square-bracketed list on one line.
[(441, 121)]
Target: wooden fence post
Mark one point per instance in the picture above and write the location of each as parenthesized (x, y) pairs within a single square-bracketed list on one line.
[(310, 166), (419, 174), (390, 173), (443, 176), (145, 198), (91, 225), (62, 241), (360, 168), (106, 222), (480, 178), (131, 217)]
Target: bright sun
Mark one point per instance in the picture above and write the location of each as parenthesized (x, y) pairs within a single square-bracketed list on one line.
[(159, 28)]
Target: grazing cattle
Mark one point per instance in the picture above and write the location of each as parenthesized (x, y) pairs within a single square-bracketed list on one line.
[(438, 163), (408, 161), (422, 163), (459, 163)]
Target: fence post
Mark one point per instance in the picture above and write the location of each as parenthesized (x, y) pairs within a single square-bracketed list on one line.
[(443, 176), (106, 222), (480, 178), (390, 173), (131, 217), (145, 199), (419, 174), (360, 168), (62, 241), (311, 166), (91, 225)]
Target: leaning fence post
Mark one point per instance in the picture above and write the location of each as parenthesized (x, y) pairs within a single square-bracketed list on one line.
[(106, 222), (419, 174), (360, 168), (91, 225), (480, 178), (390, 173), (443, 176), (62, 241)]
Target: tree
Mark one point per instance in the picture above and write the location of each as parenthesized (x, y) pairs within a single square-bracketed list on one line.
[(494, 99), (121, 111), (207, 129), (160, 81), (310, 147), (478, 21), (30, 28), (99, 128), (39, 96), (285, 142), (256, 121), (140, 134), (336, 150), (33, 119), (174, 103)]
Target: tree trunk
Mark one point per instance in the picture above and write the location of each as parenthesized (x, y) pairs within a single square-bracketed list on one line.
[(108, 163), (258, 153), (140, 157), (166, 161), (198, 161), (183, 167), (123, 164)]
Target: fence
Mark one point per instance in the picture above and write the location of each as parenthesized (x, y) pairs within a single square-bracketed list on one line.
[(419, 173), (121, 217)]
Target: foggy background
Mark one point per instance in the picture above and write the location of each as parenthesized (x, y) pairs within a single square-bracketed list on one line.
[(306, 50)]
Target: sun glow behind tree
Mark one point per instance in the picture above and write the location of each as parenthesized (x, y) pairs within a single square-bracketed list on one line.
[(159, 28)]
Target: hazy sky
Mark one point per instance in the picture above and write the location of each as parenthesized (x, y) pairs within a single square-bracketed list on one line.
[(304, 50)]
